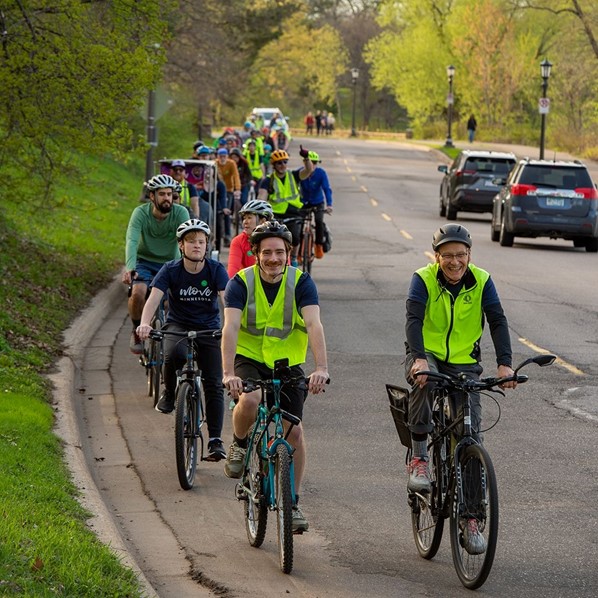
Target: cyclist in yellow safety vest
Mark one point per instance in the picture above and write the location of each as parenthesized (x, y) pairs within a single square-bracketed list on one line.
[(271, 312), (255, 160), (282, 190)]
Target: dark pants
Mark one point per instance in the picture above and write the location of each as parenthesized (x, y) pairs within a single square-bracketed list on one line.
[(293, 224), (209, 360), (319, 218), (420, 399)]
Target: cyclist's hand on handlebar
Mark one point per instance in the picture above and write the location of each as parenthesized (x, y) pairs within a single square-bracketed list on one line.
[(419, 365), (129, 276), (504, 371), (317, 381), (233, 384), (143, 331), (328, 209)]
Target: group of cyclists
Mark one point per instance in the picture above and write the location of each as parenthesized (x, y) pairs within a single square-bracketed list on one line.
[(271, 311)]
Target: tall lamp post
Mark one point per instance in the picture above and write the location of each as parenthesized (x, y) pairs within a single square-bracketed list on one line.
[(544, 104), (450, 72), (354, 77)]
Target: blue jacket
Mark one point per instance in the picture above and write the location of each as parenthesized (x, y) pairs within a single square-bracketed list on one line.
[(315, 187)]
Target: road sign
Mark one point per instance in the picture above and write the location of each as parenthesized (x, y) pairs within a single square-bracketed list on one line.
[(544, 105)]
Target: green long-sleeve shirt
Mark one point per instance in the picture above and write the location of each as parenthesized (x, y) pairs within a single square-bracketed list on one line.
[(151, 239)]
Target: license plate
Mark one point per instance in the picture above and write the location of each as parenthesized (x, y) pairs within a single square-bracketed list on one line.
[(555, 202)]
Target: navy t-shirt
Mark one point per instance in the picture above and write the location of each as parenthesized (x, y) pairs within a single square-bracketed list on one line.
[(306, 292), (192, 298)]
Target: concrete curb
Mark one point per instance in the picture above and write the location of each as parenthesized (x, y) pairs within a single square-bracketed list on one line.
[(65, 382)]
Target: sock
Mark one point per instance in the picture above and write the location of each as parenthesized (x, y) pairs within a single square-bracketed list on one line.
[(420, 448), (242, 442)]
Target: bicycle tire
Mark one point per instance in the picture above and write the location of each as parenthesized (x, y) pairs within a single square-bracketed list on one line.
[(185, 434), (156, 362), (256, 508), (427, 520), (481, 495), (307, 247), (148, 357), (284, 508)]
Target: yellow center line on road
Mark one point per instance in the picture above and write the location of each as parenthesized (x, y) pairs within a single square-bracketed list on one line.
[(373, 201), (364, 189), (558, 360), (349, 169), (406, 234), (430, 256), (386, 217)]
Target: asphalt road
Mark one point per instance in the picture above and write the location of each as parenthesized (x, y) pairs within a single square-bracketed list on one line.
[(360, 541)]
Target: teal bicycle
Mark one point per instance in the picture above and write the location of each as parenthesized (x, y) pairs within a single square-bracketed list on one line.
[(268, 477)]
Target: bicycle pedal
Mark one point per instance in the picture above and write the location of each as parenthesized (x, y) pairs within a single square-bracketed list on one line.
[(240, 492)]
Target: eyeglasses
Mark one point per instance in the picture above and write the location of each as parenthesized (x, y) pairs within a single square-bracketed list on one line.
[(281, 162), (452, 256)]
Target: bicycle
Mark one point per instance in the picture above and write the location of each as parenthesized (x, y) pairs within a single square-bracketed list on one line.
[(464, 486), (190, 410), (152, 357), (307, 235), (268, 475)]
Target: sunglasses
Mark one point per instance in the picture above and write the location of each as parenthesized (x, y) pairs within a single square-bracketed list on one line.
[(281, 162)]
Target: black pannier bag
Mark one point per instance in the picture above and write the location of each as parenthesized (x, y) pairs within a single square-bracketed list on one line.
[(399, 408)]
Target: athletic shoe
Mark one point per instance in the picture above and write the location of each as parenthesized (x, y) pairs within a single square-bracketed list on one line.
[(300, 524), (135, 344), (473, 541), (165, 404), (419, 476), (319, 251), (215, 450), (233, 468)]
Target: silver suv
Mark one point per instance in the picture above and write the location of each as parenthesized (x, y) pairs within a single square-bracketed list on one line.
[(547, 199)]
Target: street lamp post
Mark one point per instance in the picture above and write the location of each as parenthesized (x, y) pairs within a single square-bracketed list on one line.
[(354, 77), (545, 67), (450, 72)]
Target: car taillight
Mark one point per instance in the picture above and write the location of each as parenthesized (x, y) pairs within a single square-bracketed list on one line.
[(460, 172), (523, 189), (587, 192)]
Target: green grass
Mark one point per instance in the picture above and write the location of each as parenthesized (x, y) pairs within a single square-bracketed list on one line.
[(53, 258)]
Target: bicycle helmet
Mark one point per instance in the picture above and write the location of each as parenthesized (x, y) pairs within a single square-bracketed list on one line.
[(192, 225), (204, 149), (272, 228), (278, 155), (257, 207), (236, 152), (313, 156), (161, 181), (451, 233), (267, 147)]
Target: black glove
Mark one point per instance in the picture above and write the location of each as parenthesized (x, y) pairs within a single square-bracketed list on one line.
[(303, 152)]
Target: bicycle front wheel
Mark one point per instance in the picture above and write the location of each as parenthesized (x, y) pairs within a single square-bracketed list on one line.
[(307, 249), (186, 435), (426, 513), (256, 508), (157, 357), (474, 522), (284, 508)]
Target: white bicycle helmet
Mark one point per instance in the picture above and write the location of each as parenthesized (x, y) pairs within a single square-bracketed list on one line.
[(161, 181), (259, 207), (191, 225)]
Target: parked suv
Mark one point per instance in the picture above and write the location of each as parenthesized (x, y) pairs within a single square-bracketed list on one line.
[(472, 180), (547, 199)]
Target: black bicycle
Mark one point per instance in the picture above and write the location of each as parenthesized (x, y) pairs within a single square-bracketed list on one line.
[(464, 487), (152, 357), (190, 410)]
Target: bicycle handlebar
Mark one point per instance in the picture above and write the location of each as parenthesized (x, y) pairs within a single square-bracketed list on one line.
[(158, 335)]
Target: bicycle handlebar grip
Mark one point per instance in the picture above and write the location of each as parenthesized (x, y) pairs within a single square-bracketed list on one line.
[(522, 378), (156, 335)]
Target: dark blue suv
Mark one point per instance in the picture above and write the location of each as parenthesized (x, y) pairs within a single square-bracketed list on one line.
[(547, 199)]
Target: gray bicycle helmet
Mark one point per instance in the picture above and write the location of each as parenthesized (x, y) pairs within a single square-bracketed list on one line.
[(451, 233), (161, 181), (192, 225), (259, 207), (272, 228)]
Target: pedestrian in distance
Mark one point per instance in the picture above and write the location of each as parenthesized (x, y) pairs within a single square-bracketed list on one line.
[(193, 285), (309, 121), (150, 242), (472, 125), (271, 312)]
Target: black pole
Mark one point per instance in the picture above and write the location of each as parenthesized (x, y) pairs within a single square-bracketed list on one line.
[(353, 131), (543, 119), (449, 138)]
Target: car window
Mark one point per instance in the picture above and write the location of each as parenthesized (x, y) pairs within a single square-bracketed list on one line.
[(492, 165), (559, 177)]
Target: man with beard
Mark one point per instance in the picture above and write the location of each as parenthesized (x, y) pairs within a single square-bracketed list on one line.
[(151, 241), (271, 312)]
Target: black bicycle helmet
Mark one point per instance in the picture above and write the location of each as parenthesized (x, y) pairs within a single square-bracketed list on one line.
[(272, 228), (451, 233)]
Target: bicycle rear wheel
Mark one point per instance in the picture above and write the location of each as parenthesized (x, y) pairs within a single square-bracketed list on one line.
[(426, 513), (284, 508), (307, 250), (480, 503), (186, 417), (256, 508)]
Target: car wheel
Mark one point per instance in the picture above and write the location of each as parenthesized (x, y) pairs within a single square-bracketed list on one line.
[(451, 212), (592, 245), (505, 238), (442, 208), (579, 242)]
